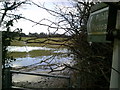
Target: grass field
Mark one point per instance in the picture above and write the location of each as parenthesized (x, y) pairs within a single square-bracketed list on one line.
[(46, 44), (35, 53)]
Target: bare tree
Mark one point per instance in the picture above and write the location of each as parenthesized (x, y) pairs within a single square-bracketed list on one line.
[(93, 61), (6, 22)]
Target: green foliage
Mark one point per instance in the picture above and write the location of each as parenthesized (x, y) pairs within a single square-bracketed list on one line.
[(7, 38)]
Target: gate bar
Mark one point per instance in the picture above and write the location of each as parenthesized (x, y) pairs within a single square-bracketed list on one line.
[(38, 74)]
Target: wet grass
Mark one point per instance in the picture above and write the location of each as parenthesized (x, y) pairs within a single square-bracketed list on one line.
[(22, 43), (36, 53), (45, 44), (33, 53), (18, 54)]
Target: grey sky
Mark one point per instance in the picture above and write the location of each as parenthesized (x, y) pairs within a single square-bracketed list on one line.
[(34, 13)]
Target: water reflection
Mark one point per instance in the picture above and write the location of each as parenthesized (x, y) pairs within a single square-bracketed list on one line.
[(26, 48), (26, 61), (37, 60), (35, 64), (30, 48)]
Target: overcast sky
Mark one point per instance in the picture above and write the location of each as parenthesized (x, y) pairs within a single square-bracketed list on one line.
[(34, 13)]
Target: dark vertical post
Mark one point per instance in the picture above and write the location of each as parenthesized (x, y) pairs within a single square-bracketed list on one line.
[(0, 60), (7, 79), (115, 76), (69, 82)]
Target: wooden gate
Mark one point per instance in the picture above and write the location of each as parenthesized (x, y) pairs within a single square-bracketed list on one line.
[(8, 74)]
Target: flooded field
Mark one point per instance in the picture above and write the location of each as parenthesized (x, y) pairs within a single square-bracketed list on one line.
[(56, 56), (41, 62)]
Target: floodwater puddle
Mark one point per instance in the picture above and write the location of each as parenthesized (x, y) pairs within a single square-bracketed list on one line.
[(30, 48), (26, 48)]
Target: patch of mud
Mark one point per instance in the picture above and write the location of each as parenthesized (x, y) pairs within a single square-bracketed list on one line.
[(44, 82)]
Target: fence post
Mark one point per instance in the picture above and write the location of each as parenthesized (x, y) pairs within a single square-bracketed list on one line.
[(69, 83), (115, 76), (0, 60), (78, 81), (7, 79)]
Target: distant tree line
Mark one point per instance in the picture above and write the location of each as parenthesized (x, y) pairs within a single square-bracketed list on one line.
[(43, 35)]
